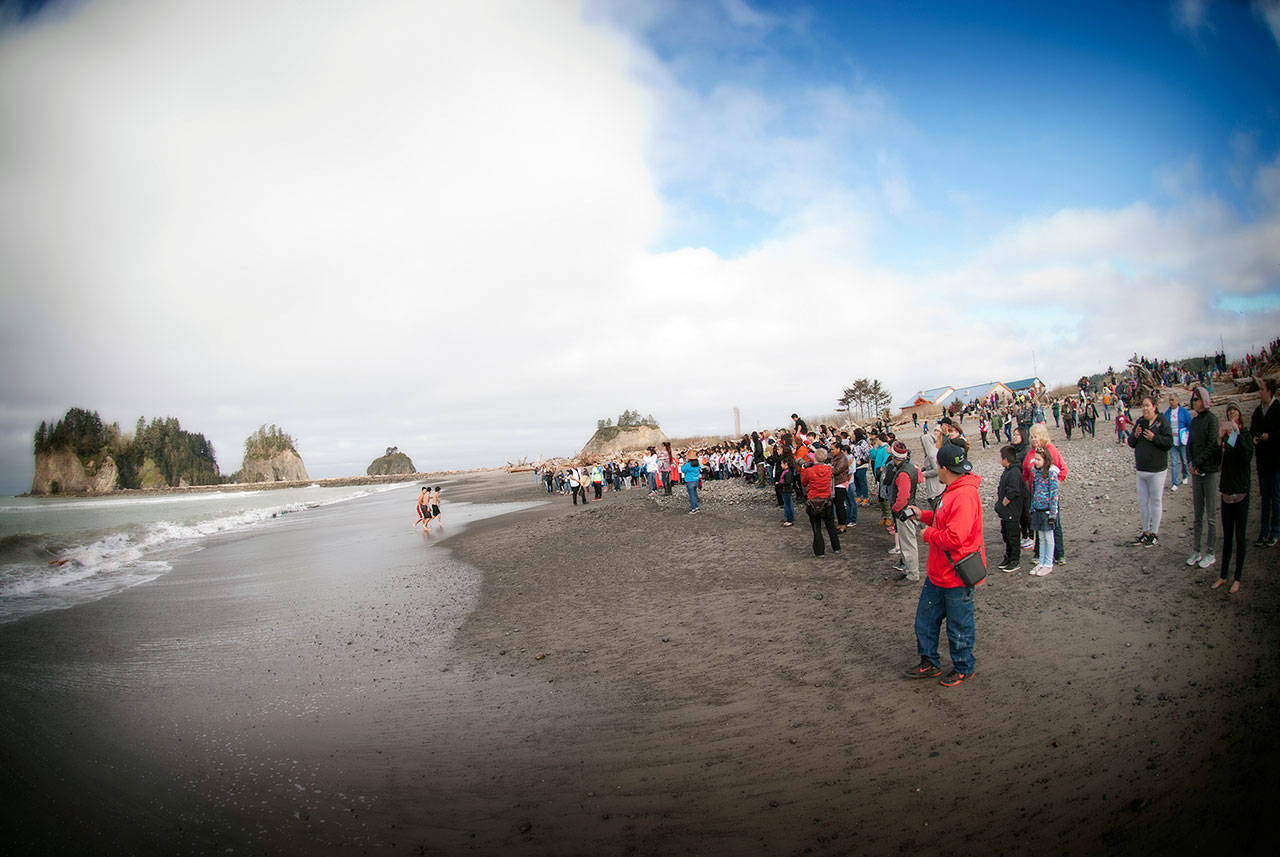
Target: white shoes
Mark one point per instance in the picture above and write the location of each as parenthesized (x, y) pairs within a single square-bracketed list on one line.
[(1042, 570), (1175, 488), (1193, 559), (1207, 560), (1028, 543)]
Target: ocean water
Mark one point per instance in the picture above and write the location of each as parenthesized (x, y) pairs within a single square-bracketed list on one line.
[(56, 553)]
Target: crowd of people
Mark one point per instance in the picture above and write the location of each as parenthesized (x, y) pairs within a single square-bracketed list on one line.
[(836, 472)]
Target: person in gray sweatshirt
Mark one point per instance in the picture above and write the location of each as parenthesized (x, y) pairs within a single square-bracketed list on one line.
[(929, 469)]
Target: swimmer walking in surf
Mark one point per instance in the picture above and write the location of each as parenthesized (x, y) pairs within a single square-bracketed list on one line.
[(424, 509)]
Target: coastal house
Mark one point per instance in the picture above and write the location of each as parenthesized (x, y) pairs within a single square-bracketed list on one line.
[(977, 393), (1027, 386), (925, 402)]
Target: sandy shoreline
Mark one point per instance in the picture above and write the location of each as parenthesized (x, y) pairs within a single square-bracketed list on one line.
[(628, 679)]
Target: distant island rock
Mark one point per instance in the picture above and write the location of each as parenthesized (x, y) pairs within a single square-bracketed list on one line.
[(270, 456), (80, 454), (610, 441), (393, 463)]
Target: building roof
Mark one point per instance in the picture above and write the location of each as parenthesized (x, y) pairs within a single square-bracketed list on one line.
[(1024, 384), (931, 396), (966, 395)]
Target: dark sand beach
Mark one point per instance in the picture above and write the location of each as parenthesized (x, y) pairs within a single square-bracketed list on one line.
[(624, 678)]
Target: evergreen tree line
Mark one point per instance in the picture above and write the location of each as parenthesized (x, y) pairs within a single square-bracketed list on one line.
[(267, 441), (865, 397), (176, 453)]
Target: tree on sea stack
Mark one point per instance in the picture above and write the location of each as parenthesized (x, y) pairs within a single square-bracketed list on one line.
[(271, 455), (632, 433), (392, 463)]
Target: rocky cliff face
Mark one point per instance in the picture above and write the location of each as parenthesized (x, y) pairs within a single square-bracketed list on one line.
[(388, 465), (283, 466), (60, 472), (614, 440)]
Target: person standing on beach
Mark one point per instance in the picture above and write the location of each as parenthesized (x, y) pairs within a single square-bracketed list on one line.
[(840, 463), (597, 480), (1179, 420), (1205, 453), (816, 479), (952, 532), (1151, 441), (1237, 451), (783, 483), (651, 470), (902, 496), (1264, 428), (1009, 509), (692, 475), (1040, 440), (1044, 509), (666, 464)]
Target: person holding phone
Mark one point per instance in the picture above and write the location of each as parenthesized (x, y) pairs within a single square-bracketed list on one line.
[(1151, 440), (1233, 488)]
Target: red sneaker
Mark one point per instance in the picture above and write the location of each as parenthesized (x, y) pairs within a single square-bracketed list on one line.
[(954, 678)]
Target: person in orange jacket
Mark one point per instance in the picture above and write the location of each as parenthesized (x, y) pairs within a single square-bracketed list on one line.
[(951, 532)]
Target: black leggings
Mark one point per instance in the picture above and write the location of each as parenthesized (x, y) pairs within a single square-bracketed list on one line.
[(1234, 518), (817, 522), (842, 506)]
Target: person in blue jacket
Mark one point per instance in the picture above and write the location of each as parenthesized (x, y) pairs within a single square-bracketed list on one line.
[(1179, 420), (692, 474)]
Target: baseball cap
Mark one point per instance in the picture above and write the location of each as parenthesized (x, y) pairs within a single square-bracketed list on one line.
[(953, 457)]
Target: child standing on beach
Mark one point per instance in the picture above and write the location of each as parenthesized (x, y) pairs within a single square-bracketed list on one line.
[(1009, 498), (1044, 507)]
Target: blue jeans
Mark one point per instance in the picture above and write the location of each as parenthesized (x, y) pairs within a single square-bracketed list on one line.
[(850, 507), (860, 483), (692, 488), (652, 478), (1269, 511), (956, 606), (1106, 410), (1045, 538), (1178, 464), (788, 508)]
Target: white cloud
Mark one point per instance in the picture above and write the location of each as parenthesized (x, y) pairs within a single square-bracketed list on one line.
[(431, 227), (1270, 12), (1189, 14)]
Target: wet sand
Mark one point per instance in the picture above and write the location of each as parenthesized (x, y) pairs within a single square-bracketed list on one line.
[(625, 678)]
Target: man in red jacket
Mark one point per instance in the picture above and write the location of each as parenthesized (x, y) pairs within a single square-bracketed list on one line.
[(955, 529)]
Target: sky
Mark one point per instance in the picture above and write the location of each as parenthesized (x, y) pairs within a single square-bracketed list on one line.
[(471, 230)]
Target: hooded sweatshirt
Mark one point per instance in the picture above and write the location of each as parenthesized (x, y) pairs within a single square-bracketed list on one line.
[(929, 468), (956, 528), (1203, 449)]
